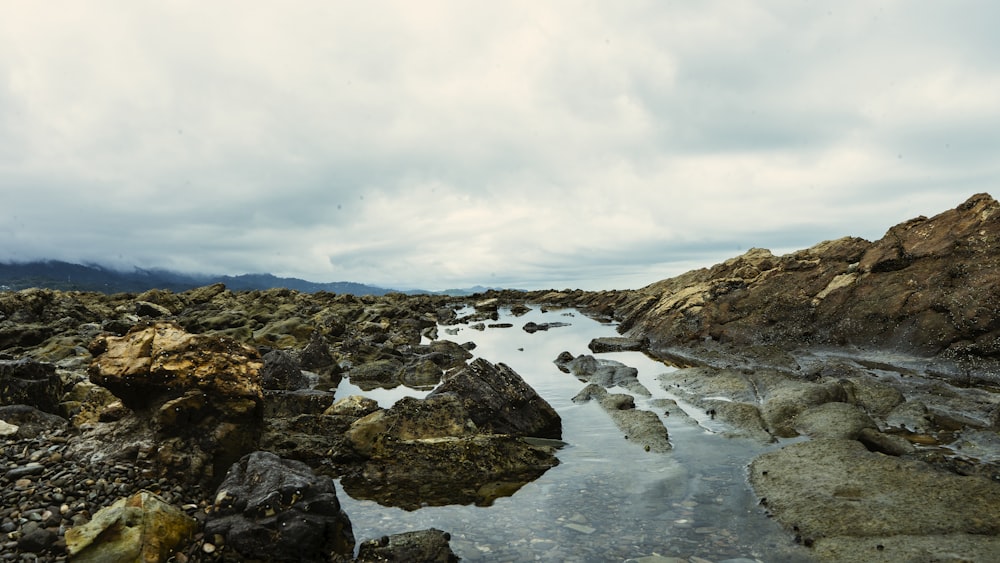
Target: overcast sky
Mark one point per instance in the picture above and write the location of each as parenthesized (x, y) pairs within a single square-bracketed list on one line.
[(532, 144)]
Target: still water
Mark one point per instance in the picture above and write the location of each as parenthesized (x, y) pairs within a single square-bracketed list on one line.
[(608, 500)]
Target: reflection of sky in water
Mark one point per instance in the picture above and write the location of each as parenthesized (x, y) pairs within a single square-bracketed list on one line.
[(608, 498)]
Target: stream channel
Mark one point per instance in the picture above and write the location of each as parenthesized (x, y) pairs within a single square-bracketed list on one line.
[(608, 499)]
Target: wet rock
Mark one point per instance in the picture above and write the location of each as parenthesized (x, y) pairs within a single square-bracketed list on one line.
[(617, 344), (279, 510), (912, 416), (603, 372), (353, 405), (29, 382), (499, 401), (316, 355), (532, 327), (431, 546), (888, 444), (642, 427), (142, 527)]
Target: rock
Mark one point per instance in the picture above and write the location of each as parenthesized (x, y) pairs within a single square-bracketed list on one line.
[(838, 490), (281, 371), (279, 510), (31, 422), (7, 429), (316, 354), (153, 360), (641, 427), (430, 546), (142, 527), (888, 444), (617, 344), (353, 405), (532, 327), (499, 401), (28, 382), (833, 420), (603, 372), (35, 538)]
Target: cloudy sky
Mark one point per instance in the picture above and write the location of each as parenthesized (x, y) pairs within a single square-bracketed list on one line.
[(521, 144)]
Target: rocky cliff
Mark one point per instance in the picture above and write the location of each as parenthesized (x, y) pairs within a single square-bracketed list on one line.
[(928, 287)]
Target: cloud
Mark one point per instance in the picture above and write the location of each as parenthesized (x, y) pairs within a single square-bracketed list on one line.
[(444, 144)]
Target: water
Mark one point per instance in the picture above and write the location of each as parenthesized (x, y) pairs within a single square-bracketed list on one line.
[(608, 500)]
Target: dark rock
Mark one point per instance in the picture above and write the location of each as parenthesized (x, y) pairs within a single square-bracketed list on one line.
[(28, 382), (618, 344), (316, 355), (35, 538), (279, 510), (431, 546), (281, 371), (30, 421), (500, 402), (531, 327)]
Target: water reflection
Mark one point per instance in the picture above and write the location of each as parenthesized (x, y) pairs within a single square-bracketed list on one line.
[(608, 499)]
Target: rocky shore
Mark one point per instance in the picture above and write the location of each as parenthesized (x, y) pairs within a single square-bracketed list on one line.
[(202, 426)]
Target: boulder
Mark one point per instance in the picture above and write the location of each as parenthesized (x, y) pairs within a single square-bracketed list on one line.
[(281, 370), (499, 401), (153, 360), (279, 510), (428, 546), (142, 527), (28, 382), (833, 420)]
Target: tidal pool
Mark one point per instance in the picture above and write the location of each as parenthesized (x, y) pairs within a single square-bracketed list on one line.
[(608, 500)]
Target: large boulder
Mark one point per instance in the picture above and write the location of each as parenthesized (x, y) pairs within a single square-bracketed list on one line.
[(160, 359), (499, 401), (195, 402), (279, 510), (142, 527)]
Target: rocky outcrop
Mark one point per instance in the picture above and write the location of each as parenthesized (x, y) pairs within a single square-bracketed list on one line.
[(641, 427), (929, 287), (601, 371), (279, 510), (428, 546)]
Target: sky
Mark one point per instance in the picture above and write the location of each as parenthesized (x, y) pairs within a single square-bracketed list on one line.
[(435, 144)]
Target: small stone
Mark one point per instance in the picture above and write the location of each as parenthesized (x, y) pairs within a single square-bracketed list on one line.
[(208, 547), (32, 468), (581, 528)]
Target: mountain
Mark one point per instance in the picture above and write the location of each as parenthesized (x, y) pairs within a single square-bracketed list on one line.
[(54, 274)]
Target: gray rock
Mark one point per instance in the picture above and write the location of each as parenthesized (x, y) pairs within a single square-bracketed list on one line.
[(430, 546), (641, 427), (617, 344), (282, 371), (833, 420)]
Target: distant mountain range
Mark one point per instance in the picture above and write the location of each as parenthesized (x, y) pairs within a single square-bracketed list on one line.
[(54, 274)]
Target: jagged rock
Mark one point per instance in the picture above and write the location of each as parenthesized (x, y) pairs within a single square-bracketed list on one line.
[(642, 427), (197, 397), (429, 546), (142, 527), (316, 354), (279, 510), (929, 286), (162, 358), (28, 382), (282, 371)]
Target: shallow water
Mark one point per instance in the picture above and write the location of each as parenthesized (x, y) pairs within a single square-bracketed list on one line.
[(608, 500)]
